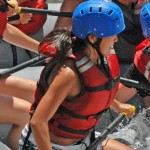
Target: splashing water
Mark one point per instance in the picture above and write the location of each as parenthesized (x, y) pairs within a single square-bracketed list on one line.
[(136, 133)]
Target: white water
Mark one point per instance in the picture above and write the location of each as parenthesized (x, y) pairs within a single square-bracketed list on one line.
[(136, 133)]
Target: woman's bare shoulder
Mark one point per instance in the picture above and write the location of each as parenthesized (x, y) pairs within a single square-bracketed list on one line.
[(64, 71), (69, 68)]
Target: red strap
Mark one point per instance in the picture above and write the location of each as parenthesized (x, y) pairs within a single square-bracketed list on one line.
[(3, 22)]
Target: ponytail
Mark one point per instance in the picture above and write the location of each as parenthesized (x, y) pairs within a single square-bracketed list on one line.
[(57, 43)]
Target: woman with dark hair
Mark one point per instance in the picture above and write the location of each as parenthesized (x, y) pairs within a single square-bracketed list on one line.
[(79, 83)]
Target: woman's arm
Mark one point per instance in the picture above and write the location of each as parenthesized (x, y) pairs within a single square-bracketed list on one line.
[(67, 6), (61, 87), (121, 107), (124, 93), (18, 38)]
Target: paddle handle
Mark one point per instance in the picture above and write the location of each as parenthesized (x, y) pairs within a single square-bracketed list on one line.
[(108, 130)]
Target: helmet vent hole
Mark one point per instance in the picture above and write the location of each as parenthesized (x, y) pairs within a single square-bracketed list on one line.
[(82, 12), (90, 9), (116, 19), (145, 14), (100, 9), (109, 13)]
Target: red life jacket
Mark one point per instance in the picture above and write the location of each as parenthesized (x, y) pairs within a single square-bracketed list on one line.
[(75, 118), (142, 58), (3, 21), (37, 21)]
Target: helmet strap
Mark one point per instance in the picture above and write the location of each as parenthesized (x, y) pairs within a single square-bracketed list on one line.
[(96, 46)]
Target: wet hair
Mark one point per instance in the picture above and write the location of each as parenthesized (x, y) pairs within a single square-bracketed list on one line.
[(63, 41)]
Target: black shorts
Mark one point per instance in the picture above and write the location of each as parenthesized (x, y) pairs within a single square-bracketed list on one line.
[(133, 74)]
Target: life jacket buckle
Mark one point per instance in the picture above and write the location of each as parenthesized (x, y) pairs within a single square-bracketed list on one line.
[(111, 84), (91, 117)]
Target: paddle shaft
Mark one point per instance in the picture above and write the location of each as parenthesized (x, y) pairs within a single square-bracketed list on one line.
[(135, 84), (12, 18), (41, 11), (33, 61), (107, 131), (44, 12)]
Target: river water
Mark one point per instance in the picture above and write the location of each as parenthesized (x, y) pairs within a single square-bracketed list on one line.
[(136, 132)]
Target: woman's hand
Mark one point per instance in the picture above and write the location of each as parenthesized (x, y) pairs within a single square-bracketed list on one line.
[(24, 19), (123, 108), (12, 10)]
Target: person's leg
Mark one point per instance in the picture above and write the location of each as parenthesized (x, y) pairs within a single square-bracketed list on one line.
[(124, 93), (67, 6), (14, 111), (147, 103), (110, 144), (18, 87)]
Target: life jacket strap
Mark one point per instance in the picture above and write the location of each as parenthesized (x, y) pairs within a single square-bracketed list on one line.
[(72, 114), (32, 109), (40, 88), (108, 86), (70, 130), (63, 109)]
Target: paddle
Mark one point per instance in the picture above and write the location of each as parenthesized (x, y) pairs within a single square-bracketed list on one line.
[(108, 130), (134, 83), (28, 63), (12, 18), (41, 11), (44, 12)]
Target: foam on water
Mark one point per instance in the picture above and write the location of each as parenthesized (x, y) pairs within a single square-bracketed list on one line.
[(136, 132)]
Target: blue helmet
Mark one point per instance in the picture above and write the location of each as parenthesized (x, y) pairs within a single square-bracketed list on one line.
[(145, 19), (102, 18)]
